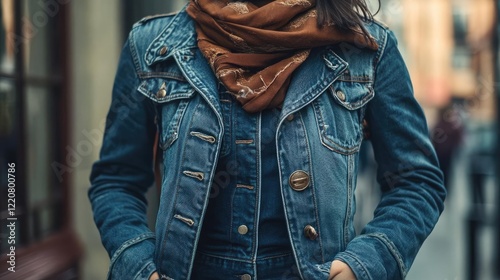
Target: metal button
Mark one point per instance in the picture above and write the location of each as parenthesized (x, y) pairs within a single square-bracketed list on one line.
[(299, 180), (290, 117), (163, 50), (310, 232), (242, 229), (162, 92), (246, 277), (340, 95)]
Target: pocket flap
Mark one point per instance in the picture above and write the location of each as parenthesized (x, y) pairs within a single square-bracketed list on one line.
[(352, 95), (163, 90)]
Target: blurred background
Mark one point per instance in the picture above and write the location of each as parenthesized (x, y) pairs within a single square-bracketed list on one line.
[(57, 64)]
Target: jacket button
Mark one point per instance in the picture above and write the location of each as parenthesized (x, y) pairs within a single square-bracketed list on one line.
[(163, 50), (299, 180), (340, 95), (290, 117), (242, 229), (246, 277), (162, 92), (310, 232)]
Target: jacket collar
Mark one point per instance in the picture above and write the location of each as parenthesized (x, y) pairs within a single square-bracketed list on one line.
[(314, 76), (178, 38), (179, 34)]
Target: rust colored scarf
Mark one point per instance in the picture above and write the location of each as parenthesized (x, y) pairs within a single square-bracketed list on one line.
[(253, 49)]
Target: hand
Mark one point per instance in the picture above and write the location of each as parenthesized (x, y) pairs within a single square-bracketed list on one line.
[(341, 271), (154, 276)]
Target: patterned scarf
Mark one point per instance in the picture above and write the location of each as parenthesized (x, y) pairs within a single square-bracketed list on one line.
[(253, 48)]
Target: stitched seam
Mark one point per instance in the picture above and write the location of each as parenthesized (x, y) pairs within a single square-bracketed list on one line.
[(361, 264), (311, 182), (331, 145), (258, 135), (181, 109), (275, 256), (363, 101), (176, 195), (295, 251), (127, 244), (225, 258), (349, 199), (156, 42), (194, 82), (392, 248), (134, 53), (138, 274), (160, 74), (360, 79), (380, 54)]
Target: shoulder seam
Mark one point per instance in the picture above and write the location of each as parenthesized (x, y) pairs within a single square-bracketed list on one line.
[(152, 17), (133, 52), (380, 53)]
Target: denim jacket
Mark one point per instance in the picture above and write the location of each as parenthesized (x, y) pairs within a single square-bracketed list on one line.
[(164, 82)]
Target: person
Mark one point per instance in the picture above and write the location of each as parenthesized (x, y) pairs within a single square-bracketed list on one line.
[(258, 108), (447, 137)]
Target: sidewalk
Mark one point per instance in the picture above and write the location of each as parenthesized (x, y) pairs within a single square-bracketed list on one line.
[(443, 255)]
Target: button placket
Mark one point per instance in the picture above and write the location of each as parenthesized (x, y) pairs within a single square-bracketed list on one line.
[(245, 199)]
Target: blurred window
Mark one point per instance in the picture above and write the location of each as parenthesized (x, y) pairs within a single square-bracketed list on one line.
[(34, 133)]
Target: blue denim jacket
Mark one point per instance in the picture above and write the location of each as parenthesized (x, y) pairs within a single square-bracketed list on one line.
[(245, 219), (162, 73)]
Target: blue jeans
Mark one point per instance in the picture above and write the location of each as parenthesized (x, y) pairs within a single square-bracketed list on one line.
[(210, 267)]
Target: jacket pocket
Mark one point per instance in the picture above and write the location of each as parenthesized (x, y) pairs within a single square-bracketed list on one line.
[(339, 114), (171, 98)]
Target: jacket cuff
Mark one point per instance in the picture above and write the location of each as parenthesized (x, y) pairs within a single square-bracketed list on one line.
[(325, 269), (373, 257), (134, 259)]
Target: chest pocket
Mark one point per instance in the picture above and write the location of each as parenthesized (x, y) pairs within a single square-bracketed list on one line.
[(171, 95), (339, 114)]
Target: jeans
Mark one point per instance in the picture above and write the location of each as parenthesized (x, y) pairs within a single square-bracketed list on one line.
[(210, 267)]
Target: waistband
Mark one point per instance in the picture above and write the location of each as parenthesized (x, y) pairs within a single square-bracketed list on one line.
[(211, 267)]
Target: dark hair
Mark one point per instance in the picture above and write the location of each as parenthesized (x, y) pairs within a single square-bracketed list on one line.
[(345, 14)]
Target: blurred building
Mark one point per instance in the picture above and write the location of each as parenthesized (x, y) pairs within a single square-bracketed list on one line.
[(57, 64)]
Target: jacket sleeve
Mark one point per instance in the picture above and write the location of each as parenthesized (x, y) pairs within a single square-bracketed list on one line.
[(412, 184), (122, 175)]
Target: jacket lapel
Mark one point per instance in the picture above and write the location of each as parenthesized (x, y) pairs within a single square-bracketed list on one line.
[(199, 74), (312, 78)]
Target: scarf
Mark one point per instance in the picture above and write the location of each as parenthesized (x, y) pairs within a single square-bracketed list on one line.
[(253, 48)]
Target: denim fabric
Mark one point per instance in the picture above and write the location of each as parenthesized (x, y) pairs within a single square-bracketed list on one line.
[(210, 267), (164, 82), (246, 189)]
